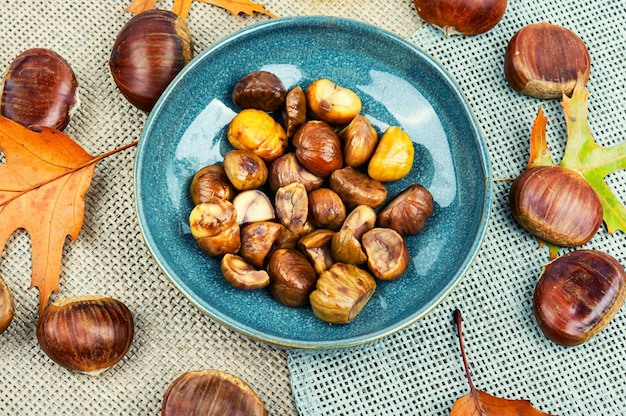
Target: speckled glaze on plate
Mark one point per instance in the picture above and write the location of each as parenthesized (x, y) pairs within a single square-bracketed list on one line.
[(399, 85)]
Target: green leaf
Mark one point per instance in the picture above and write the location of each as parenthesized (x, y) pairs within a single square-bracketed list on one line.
[(583, 155)]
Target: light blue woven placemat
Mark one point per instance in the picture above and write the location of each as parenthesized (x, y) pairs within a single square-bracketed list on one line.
[(419, 370)]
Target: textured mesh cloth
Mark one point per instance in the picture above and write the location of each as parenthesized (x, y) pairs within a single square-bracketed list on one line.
[(416, 371), (419, 370)]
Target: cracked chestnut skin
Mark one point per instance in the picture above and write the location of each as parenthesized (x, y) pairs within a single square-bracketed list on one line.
[(577, 296)]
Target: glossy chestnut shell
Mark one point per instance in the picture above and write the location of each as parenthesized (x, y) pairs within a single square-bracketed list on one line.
[(465, 17), (150, 50), (577, 295), (544, 60), (39, 89), (87, 334), (211, 393), (557, 205)]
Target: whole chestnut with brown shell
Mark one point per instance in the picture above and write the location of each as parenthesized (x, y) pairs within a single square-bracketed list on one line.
[(39, 88), (88, 334), (149, 51), (545, 60), (567, 218), (577, 295), (211, 393), (461, 17)]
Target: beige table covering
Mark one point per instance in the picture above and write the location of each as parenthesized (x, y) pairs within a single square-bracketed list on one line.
[(416, 371)]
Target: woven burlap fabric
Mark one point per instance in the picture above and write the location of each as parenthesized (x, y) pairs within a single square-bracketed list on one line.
[(418, 371)]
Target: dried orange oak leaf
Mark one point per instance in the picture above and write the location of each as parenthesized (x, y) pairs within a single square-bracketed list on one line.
[(583, 155), (479, 403), (182, 7), (138, 6), (43, 182)]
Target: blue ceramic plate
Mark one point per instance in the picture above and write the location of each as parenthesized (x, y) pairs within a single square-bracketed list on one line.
[(399, 85)]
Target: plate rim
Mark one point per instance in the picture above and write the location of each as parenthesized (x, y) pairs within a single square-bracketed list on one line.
[(352, 341)]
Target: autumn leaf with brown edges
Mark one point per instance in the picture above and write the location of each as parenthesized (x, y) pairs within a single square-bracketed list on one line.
[(583, 155), (479, 403), (43, 182), (182, 7)]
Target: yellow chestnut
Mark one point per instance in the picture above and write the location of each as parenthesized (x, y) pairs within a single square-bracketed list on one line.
[(341, 293), (214, 227), (257, 132), (331, 102), (393, 158)]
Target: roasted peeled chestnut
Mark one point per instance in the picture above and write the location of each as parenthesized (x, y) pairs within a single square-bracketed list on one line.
[(287, 169), (294, 114), (360, 220), (316, 246), (292, 277), (214, 227), (387, 253), (346, 248), (7, 306), (393, 157), (261, 90), (252, 206), (256, 131), (557, 205), (258, 239), (241, 274), (577, 295), (292, 208), (326, 209), (211, 393), (341, 293), (318, 148), (356, 188), (358, 140), (461, 17), (331, 102), (244, 169), (544, 60), (88, 334), (408, 211), (39, 88), (211, 182), (150, 50)]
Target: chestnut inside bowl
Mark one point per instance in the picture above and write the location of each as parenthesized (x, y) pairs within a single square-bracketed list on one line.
[(400, 85)]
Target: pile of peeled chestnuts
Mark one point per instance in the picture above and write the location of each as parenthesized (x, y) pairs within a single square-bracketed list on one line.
[(298, 207)]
